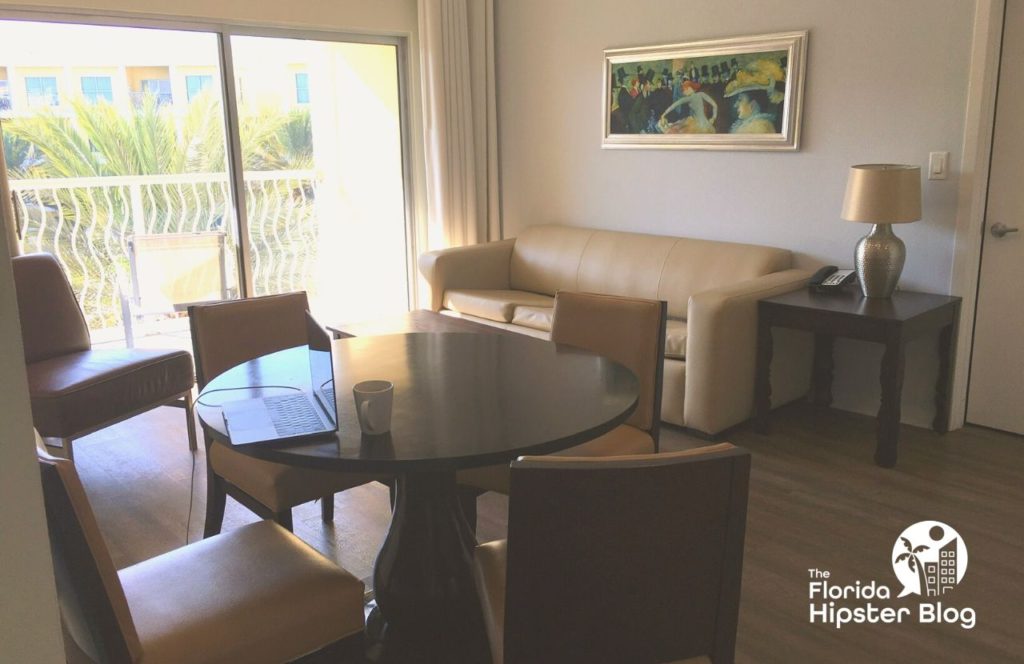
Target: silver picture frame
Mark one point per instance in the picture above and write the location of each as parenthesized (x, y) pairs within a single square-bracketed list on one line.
[(733, 79)]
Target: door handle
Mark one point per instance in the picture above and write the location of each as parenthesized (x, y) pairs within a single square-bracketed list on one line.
[(1000, 229)]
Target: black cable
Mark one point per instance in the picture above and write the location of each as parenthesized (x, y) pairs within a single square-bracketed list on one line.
[(191, 496), (248, 387)]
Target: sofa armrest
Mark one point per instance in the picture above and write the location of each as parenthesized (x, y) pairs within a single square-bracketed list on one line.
[(721, 349), (478, 266)]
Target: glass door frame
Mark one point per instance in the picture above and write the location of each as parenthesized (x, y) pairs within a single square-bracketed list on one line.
[(224, 31)]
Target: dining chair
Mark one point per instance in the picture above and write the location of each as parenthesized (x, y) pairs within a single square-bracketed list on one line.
[(225, 335), (255, 594), (633, 558), (76, 389), (630, 331)]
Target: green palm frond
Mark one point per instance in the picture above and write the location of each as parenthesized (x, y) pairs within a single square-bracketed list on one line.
[(100, 139), (203, 146), (64, 150), (21, 155)]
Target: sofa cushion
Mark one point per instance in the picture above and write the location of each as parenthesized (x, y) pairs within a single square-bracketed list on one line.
[(675, 339), (511, 327), (625, 264), (695, 266), (536, 318), (499, 305), (546, 259), (673, 391), (540, 318)]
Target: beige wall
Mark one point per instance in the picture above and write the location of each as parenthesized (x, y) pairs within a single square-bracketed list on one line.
[(886, 81), (29, 628)]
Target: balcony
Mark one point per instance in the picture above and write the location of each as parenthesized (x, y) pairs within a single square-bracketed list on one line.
[(89, 225)]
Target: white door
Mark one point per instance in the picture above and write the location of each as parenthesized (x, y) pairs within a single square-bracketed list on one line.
[(996, 394)]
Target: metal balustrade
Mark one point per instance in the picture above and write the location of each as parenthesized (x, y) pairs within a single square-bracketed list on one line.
[(86, 223)]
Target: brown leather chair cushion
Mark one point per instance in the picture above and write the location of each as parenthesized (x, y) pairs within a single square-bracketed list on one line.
[(256, 594), (51, 320), (277, 485), (76, 392)]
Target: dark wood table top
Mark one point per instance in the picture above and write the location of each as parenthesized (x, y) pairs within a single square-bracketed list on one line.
[(901, 307), (461, 400)]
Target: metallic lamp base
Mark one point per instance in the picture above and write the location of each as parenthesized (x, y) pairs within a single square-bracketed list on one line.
[(879, 261)]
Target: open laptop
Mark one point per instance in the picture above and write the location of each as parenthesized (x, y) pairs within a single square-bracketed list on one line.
[(295, 415)]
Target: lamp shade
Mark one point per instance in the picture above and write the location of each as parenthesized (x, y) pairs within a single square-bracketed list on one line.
[(883, 194)]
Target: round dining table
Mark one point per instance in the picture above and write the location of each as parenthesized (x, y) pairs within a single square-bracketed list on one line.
[(461, 400)]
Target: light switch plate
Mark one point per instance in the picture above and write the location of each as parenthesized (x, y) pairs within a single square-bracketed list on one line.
[(938, 165)]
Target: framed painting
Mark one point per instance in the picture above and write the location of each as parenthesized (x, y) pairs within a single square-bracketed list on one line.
[(742, 93)]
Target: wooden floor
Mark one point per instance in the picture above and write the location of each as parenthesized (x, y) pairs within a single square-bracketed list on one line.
[(816, 500)]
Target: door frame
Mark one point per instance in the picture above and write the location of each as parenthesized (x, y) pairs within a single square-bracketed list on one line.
[(972, 196), (224, 30)]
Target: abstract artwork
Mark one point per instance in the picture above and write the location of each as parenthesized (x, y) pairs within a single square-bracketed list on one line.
[(741, 93)]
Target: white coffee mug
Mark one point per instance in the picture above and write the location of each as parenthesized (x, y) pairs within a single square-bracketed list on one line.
[(373, 405)]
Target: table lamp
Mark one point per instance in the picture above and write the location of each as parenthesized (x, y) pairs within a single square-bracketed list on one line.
[(881, 194)]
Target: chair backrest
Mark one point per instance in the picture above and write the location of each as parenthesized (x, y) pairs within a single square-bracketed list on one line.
[(630, 331), (52, 323), (94, 610), (227, 334), (626, 559), (170, 269)]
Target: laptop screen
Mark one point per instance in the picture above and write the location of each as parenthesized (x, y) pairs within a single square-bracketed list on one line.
[(321, 367)]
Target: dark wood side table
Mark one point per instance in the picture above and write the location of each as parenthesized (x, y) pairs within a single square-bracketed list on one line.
[(892, 322)]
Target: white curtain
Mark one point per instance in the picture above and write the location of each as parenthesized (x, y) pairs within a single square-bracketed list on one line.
[(460, 120), (6, 209)]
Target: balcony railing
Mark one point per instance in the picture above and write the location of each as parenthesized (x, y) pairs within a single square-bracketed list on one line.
[(86, 224)]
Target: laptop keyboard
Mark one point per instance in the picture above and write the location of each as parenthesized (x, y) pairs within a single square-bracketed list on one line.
[(293, 415)]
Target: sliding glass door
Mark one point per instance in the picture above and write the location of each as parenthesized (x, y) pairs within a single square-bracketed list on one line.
[(120, 172), (321, 149), (127, 162)]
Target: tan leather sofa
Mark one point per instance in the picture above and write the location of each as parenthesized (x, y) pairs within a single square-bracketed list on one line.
[(712, 289)]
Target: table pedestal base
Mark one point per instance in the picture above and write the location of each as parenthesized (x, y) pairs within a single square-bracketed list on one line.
[(423, 580)]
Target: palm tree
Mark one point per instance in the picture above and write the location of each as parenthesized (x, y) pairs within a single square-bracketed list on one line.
[(21, 156), (102, 140), (98, 139), (913, 562)]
